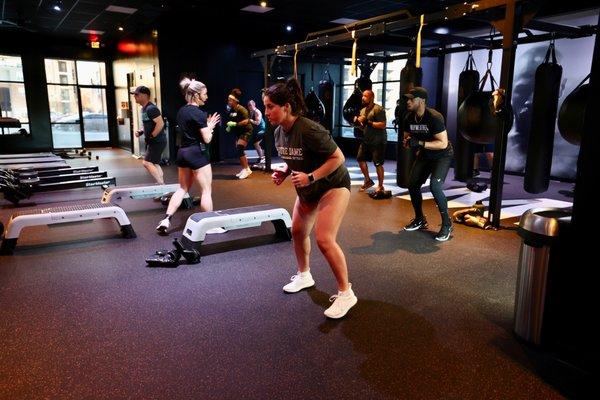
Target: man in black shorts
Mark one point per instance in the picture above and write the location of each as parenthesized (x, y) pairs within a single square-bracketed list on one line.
[(424, 131), (154, 134), (372, 121)]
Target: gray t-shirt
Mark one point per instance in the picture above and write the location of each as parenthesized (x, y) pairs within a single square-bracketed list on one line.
[(305, 148), (374, 135)]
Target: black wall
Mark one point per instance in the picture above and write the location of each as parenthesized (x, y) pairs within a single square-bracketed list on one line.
[(221, 60), (33, 48)]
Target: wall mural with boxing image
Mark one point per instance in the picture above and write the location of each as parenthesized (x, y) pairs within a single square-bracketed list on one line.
[(575, 57)]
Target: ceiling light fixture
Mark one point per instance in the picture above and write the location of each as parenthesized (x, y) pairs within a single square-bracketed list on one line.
[(263, 4), (288, 28), (57, 5), (120, 28)]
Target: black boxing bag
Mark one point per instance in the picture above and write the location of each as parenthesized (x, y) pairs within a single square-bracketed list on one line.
[(468, 82), (571, 113), (314, 108), (479, 120), (354, 103), (543, 119), (326, 90), (410, 76)]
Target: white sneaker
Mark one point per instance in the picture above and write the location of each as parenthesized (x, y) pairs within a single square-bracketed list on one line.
[(240, 173), (216, 230), (299, 281), (163, 226), (245, 173), (342, 303)]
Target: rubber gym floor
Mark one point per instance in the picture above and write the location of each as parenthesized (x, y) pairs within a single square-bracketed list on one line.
[(83, 317)]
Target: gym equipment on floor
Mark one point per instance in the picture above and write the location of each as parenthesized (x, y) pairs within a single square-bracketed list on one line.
[(62, 215), (16, 193), (380, 194), (38, 167), (198, 224), (54, 171), (118, 195), (171, 259), (27, 155), (29, 177), (30, 160)]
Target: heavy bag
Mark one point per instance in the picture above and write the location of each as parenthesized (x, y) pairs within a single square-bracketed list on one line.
[(468, 83), (571, 113), (480, 116), (543, 119), (410, 76), (326, 90), (314, 108)]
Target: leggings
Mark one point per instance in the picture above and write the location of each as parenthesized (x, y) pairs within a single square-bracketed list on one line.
[(421, 169)]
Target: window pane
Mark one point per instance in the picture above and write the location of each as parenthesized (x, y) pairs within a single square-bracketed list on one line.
[(11, 69), (95, 119), (91, 73), (66, 136), (13, 102), (60, 71), (63, 104)]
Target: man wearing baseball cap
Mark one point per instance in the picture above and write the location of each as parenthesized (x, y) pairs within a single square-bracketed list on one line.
[(153, 132), (425, 132)]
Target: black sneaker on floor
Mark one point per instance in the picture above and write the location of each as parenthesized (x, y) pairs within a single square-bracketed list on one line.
[(444, 233), (417, 223)]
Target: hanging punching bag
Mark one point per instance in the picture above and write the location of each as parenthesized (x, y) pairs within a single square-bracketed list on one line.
[(543, 119), (410, 76), (480, 116), (468, 83), (314, 108), (326, 90), (354, 103), (571, 113)]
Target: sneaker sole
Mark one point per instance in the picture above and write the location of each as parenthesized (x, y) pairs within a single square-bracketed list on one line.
[(415, 229), (344, 314), (444, 239), (298, 290)]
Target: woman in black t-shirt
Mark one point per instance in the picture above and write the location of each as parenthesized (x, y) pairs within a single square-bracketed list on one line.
[(323, 186), (192, 158)]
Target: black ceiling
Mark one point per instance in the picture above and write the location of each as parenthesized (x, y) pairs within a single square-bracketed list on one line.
[(305, 15)]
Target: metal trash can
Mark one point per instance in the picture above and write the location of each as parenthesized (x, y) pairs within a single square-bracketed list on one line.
[(540, 229)]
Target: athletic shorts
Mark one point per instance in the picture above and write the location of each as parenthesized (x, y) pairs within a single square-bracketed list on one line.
[(154, 151), (371, 152), (258, 136), (191, 157)]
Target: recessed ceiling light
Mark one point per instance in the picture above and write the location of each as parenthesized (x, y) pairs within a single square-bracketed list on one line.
[(288, 28), (344, 21), (263, 4), (442, 30), (257, 9), (57, 6), (120, 28), (122, 10)]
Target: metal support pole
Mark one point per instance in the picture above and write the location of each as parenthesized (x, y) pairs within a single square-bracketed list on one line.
[(509, 27)]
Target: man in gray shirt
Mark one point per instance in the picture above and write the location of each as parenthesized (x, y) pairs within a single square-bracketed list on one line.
[(372, 120)]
